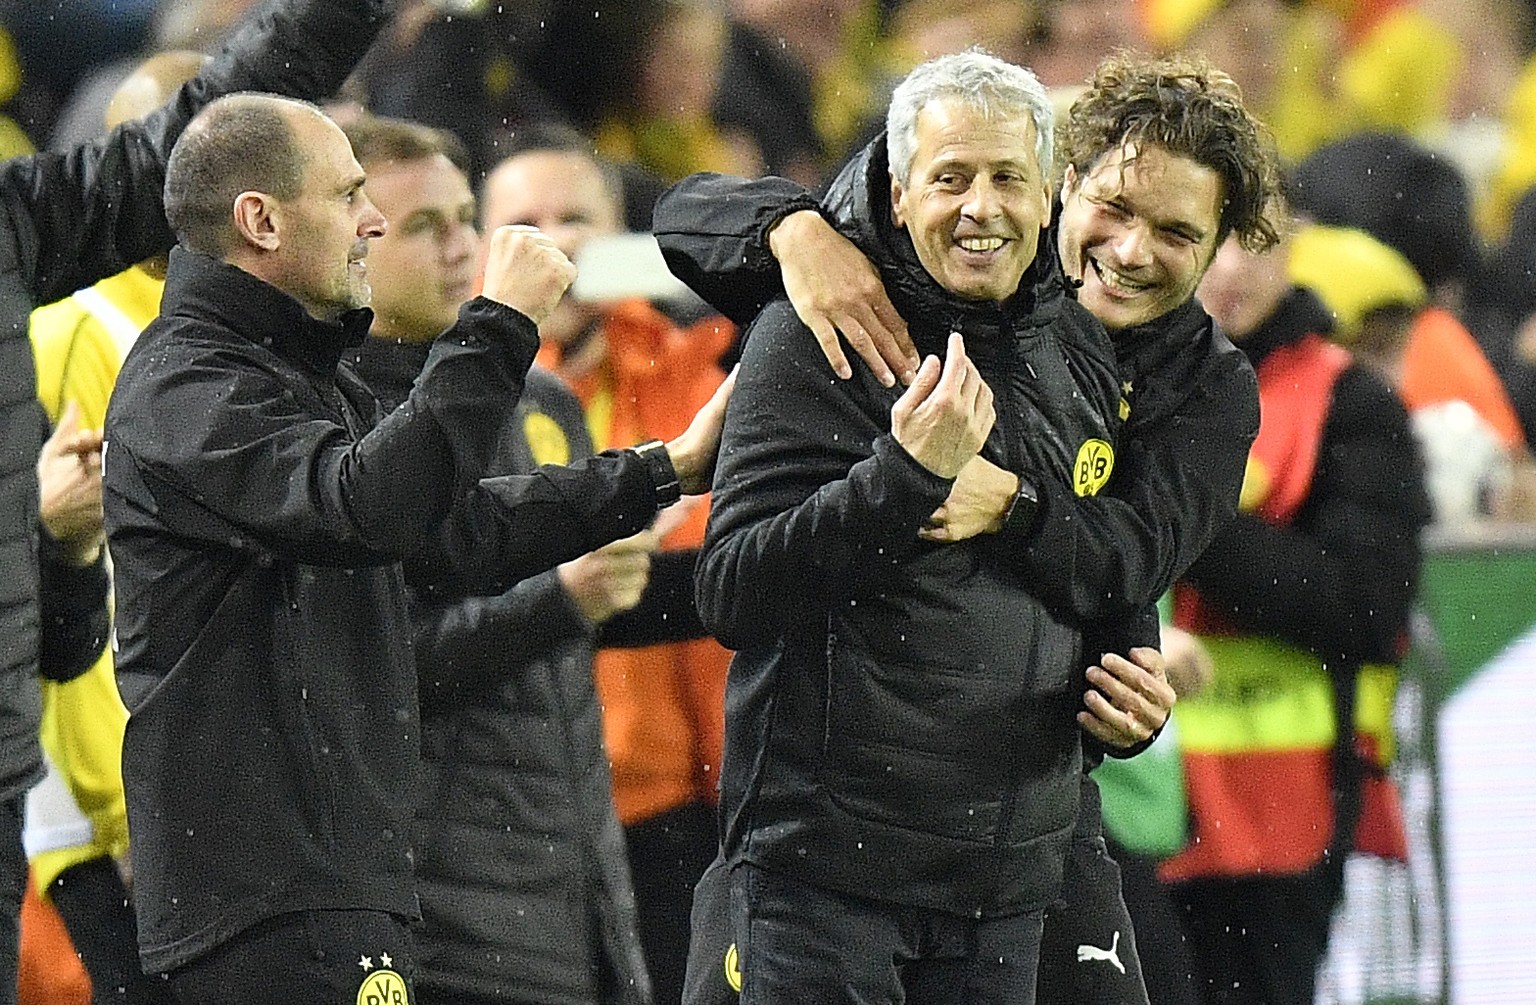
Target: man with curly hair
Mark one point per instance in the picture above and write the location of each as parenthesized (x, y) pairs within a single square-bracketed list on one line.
[(1162, 163)]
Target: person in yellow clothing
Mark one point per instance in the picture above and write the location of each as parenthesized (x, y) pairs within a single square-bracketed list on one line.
[(77, 827)]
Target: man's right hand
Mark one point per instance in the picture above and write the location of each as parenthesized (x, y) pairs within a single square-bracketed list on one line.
[(526, 271), (944, 417), (834, 288)]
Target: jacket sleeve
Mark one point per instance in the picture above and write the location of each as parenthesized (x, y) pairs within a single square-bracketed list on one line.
[(813, 501), (1340, 580), (232, 454), (93, 211), (73, 609), (515, 526), (1175, 485), (666, 612), (713, 232), (456, 640)]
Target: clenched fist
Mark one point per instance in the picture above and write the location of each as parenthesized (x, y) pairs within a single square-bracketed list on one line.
[(525, 271)]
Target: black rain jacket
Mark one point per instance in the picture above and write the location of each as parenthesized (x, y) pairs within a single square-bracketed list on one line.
[(899, 715)]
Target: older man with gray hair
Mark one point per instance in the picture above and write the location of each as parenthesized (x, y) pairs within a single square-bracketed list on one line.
[(900, 774)]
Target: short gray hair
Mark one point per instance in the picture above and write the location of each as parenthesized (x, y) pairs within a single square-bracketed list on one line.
[(979, 80)]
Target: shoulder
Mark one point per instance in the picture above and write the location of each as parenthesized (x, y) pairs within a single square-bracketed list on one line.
[(1364, 403)]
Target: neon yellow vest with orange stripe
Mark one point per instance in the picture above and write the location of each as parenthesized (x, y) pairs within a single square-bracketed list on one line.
[(1259, 743)]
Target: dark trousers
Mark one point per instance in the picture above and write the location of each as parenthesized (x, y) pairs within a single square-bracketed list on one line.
[(93, 902), (1259, 940), (307, 958), (1167, 965), (667, 854), (1089, 952), (802, 943), (714, 976), (13, 881)]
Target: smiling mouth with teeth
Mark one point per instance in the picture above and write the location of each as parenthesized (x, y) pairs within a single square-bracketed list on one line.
[(980, 243), (1112, 279)]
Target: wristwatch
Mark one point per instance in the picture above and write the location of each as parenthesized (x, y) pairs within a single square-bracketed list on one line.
[(1021, 512), (663, 475)]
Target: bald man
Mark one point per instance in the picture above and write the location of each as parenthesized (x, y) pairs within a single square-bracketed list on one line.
[(257, 514)]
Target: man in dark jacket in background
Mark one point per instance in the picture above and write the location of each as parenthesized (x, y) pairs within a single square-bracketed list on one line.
[(901, 761), (520, 860), (68, 220), (257, 515), (1303, 601)]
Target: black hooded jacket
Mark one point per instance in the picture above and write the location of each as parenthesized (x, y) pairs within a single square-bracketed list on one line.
[(899, 715)]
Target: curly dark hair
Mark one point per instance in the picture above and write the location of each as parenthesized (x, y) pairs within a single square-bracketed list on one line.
[(1187, 107)]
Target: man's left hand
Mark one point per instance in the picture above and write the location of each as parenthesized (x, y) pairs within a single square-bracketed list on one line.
[(1130, 699), (69, 487), (694, 451)]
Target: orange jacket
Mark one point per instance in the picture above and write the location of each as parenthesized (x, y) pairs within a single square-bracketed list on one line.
[(663, 705), (1443, 362)]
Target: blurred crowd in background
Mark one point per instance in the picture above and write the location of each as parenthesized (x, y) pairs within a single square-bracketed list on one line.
[(1411, 120), (1407, 129)]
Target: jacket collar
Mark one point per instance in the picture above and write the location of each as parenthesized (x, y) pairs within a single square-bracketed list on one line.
[(1150, 346), (200, 286), (1299, 314), (858, 202)]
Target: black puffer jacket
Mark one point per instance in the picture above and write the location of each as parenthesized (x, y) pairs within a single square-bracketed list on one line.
[(900, 716), (520, 860), (67, 220)]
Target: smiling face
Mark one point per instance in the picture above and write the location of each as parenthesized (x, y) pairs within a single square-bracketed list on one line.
[(424, 268), (1139, 230), (974, 200), (325, 230)]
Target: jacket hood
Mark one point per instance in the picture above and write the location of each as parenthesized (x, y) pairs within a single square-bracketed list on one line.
[(859, 205)]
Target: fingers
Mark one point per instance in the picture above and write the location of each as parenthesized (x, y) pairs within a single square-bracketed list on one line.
[(891, 327), (526, 270), (831, 346), (1127, 703), (859, 338), (956, 364), (694, 452), (921, 388), (672, 518), (69, 438), (69, 421)]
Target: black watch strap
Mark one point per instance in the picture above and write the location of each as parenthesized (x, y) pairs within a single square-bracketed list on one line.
[(663, 475), (1021, 512)]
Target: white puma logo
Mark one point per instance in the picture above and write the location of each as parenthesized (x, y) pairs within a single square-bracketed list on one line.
[(1112, 954)]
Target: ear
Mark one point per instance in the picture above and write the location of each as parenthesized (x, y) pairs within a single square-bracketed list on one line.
[(1068, 181), (896, 192), (1047, 206), (257, 220)]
